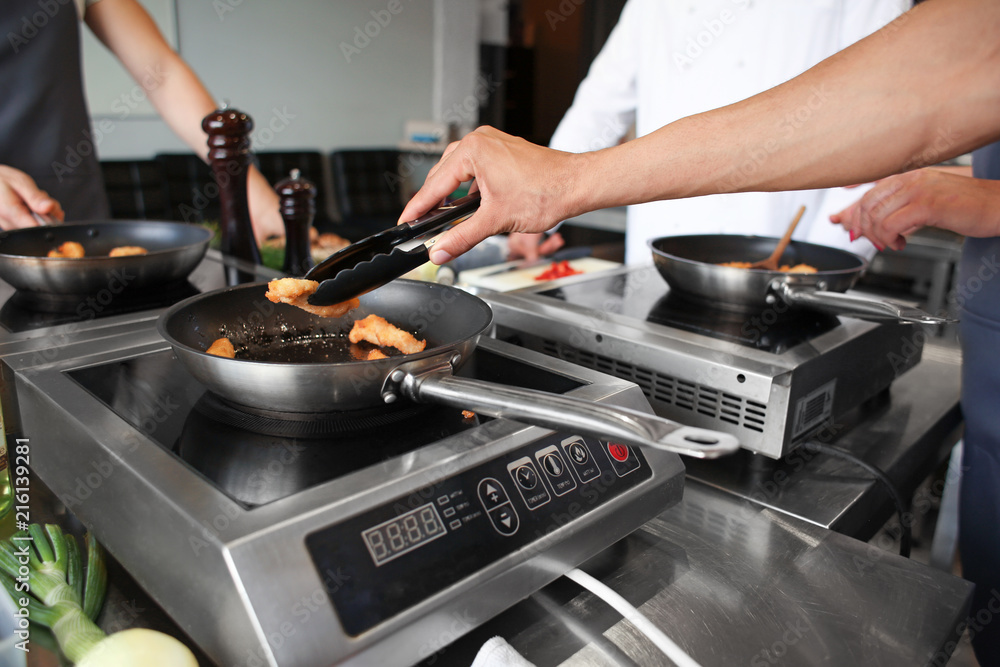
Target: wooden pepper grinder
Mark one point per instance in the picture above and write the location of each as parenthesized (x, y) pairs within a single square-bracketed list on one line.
[(229, 155), (297, 198)]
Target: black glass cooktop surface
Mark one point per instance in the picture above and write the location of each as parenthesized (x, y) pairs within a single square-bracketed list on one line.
[(643, 295), (27, 311), (259, 458)]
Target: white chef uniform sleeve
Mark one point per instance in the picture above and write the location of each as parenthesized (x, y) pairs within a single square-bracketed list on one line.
[(604, 106)]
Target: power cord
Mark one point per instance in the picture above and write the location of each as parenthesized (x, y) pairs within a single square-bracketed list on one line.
[(902, 508)]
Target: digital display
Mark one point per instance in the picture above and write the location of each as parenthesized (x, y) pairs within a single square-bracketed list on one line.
[(393, 538)]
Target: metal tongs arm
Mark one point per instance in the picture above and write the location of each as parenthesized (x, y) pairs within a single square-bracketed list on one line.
[(383, 257)]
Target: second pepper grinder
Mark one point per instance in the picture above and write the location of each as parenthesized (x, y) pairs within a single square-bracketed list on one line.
[(229, 155), (297, 197)]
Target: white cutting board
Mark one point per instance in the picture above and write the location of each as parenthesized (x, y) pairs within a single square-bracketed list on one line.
[(524, 278)]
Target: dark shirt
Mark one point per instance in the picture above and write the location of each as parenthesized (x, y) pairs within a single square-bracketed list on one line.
[(978, 288), (44, 126)]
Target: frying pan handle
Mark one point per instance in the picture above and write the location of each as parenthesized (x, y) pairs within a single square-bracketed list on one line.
[(564, 413), (853, 305)]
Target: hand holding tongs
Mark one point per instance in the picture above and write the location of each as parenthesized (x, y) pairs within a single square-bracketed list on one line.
[(378, 259)]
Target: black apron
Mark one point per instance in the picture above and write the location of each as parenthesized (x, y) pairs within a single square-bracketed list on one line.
[(44, 126)]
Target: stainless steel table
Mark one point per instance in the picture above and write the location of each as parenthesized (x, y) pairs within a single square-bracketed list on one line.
[(734, 583)]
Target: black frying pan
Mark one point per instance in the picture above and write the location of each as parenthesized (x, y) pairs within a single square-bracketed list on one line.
[(308, 366), (690, 265), (175, 249)]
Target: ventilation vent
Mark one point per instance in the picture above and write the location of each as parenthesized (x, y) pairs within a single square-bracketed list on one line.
[(703, 400)]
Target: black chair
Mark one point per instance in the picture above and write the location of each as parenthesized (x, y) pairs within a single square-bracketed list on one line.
[(135, 189), (189, 186), (368, 189), (276, 165)]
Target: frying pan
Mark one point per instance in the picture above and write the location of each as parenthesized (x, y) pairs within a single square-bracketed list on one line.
[(317, 374), (690, 265), (174, 251)]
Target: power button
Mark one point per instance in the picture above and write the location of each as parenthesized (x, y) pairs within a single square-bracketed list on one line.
[(623, 459), (618, 451)]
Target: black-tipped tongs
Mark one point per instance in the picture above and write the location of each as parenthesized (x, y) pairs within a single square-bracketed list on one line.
[(376, 260)]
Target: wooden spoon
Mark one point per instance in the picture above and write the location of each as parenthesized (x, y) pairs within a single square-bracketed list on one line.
[(771, 263)]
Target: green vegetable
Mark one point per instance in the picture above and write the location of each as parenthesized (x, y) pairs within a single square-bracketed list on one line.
[(62, 599)]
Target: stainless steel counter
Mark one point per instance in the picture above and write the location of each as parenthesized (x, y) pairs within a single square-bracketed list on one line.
[(734, 583), (740, 582)]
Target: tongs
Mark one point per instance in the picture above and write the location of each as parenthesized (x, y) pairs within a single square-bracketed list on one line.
[(372, 262)]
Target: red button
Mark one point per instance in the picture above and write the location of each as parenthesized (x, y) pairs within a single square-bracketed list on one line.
[(618, 452)]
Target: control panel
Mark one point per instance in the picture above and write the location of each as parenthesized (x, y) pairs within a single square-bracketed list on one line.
[(391, 557)]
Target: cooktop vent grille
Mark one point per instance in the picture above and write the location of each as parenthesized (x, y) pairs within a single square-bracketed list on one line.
[(668, 389)]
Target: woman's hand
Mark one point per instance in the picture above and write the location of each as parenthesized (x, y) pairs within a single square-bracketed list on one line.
[(525, 188), (20, 197), (900, 205)]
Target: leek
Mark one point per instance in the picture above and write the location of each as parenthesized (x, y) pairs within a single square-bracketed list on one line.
[(68, 602)]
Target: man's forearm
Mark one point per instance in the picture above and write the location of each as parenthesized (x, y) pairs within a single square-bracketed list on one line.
[(923, 89)]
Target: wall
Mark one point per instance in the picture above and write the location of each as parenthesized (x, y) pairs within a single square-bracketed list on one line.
[(309, 75)]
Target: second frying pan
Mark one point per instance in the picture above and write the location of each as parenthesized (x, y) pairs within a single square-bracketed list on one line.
[(174, 251), (690, 265)]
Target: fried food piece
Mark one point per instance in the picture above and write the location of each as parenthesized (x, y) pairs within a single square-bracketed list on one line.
[(798, 268), (784, 268), (126, 250), (361, 353), (223, 347), (70, 249), (295, 292), (377, 331)]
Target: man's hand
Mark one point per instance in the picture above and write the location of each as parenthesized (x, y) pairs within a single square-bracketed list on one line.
[(900, 205), (20, 197), (525, 188), (532, 246)]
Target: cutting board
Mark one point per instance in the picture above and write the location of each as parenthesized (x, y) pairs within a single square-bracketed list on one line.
[(518, 279)]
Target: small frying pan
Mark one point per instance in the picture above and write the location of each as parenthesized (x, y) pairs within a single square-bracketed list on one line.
[(690, 265), (174, 251), (322, 375)]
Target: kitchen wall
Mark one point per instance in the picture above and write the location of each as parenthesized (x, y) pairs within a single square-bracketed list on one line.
[(320, 74)]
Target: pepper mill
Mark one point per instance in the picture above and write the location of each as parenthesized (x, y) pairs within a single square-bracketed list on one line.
[(229, 155), (297, 197)]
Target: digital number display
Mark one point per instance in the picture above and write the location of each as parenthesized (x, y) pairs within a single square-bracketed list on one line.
[(406, 532)]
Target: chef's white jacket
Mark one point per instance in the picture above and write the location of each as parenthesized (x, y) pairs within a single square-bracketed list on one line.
[(667, 59)]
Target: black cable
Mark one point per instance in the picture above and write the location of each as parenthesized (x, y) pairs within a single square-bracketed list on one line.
[(901, 507)]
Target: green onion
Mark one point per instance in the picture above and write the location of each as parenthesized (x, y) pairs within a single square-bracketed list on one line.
[(68, 603)]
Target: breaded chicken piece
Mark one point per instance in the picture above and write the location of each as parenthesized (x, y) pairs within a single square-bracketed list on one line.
[(360, 353), (126, 250), (70, 249), (223, 347), (377, 331), (295, 292)]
